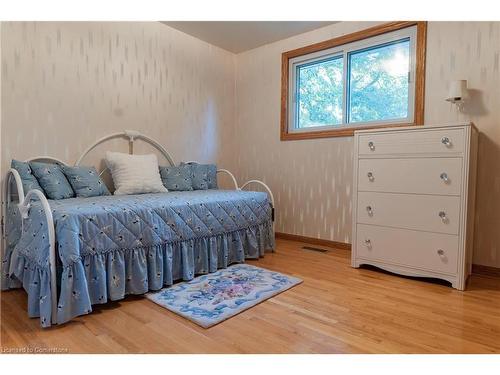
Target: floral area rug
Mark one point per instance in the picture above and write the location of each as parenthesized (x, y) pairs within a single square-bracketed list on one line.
[(213, 298)]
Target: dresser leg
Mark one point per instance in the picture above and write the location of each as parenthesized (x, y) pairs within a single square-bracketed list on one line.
[(459, 285)]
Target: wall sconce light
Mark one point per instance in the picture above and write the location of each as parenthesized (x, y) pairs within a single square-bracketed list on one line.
[(458, 93)]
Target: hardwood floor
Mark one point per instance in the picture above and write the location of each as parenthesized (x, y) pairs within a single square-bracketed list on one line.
[(337, 309)]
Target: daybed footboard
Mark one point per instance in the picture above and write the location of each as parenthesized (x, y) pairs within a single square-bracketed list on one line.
[(258, 182), (24, 209), (25, 203), (271, 196), (230, 175)]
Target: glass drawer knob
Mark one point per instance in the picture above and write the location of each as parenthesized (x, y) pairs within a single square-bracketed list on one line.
[(368, 243), (370, 176), (443, 216), (444, 177), (446, 141), (369, 209), (371, 145), (440, 252)]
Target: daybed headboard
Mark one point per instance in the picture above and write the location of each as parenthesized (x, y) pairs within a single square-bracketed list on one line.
[(131, 135)]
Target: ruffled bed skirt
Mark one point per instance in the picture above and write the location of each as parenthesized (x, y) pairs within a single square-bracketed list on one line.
[(111, 275), (35, 279)]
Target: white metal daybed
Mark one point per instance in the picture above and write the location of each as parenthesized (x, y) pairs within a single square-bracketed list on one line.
[(60, 267)]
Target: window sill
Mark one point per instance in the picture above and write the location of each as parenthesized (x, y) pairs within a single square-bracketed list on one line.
[(331, 133)]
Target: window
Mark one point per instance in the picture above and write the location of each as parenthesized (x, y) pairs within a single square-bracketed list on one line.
[(319, 89), (371, 78)]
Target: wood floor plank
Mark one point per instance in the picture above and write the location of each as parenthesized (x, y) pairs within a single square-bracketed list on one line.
[(337, 309)]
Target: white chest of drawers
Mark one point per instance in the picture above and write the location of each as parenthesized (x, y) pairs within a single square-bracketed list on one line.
[(413, 200)]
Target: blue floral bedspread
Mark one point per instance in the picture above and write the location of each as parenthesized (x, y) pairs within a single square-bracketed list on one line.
[(112, 246)]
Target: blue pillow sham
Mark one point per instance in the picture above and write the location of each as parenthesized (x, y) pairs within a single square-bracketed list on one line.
[(28, 179), (52, 180), (211, 176), (204, 176), (85, 181), (177, 178)]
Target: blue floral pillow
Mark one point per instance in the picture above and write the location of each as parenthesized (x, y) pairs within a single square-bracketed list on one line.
[(52, 179), (212, 176), (204, 176), (177, 178), (85, 181), (28, 179)]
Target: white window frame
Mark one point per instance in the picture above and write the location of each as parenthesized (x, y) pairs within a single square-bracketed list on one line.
[(344, 51)]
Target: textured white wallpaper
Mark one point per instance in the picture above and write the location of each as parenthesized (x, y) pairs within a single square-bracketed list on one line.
[(66, 84), (312, 178), (471, 50)]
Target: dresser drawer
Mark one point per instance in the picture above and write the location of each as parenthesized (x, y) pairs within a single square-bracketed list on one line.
[(410, 211), (412, 142), (417, 175), (430, 251)]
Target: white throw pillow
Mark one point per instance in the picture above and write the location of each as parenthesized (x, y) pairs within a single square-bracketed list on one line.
[(134, 174)]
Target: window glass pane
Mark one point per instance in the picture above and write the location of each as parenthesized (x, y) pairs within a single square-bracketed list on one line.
[(378, 86), (319, 93)]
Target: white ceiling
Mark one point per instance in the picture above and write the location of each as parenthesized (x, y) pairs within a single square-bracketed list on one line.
[(240, 36)]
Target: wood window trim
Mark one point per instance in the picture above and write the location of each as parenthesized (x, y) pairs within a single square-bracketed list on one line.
[(349, 38)]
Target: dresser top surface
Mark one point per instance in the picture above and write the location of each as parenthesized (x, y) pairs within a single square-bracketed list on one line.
[(416, 127)]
